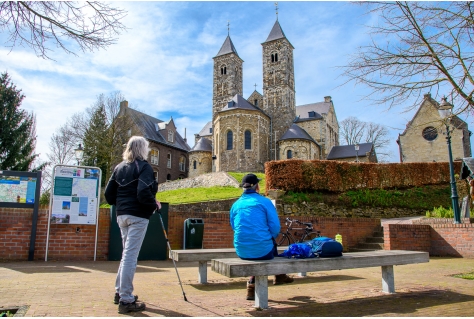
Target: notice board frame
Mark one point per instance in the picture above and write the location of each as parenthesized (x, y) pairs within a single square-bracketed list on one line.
[(97, 204), (34, 206)]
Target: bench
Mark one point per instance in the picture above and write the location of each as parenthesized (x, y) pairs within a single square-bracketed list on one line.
[(203, 256), (236, 267)]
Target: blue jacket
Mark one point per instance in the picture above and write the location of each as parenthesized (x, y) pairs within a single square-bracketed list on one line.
[(255, 221)]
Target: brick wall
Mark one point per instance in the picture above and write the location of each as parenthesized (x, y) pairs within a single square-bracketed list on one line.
[(407, 237), (65, 243), (439, 237)]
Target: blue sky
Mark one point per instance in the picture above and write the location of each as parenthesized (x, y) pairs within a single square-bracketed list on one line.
[(163, 64)]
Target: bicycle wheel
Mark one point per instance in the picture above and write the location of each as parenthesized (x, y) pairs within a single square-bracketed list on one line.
[(282, 240), (311, 235)]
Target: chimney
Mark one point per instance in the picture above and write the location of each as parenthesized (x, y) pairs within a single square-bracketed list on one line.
[(185, 139), (327, 99), (124, 103)]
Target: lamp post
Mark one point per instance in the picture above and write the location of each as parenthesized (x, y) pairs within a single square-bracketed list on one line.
[(79, 154), (356, 146), (446, 112)]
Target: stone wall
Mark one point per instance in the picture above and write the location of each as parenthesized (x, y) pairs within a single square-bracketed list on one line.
[(301, 149), (323, 209), (200, 162), (239, 159), (415, 148)]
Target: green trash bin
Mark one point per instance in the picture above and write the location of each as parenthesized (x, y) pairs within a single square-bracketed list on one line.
[(154, 245), (193, 233)]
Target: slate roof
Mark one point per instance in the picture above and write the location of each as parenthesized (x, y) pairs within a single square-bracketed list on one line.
[(202, 145), (277, 33), (227, 47), (296, 132), (320, 108), (345, 151), (206, 130), (240, 103), (148, 125)]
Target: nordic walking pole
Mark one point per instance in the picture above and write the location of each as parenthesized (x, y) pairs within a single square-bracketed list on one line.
[(169, 247)]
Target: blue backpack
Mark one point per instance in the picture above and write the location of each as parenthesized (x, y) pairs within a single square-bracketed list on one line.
[(325, 247), (298, 250)]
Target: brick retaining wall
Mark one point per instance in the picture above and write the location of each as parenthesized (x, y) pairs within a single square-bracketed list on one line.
[(440, 239)]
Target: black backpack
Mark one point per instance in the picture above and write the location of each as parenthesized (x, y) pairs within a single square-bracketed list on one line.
[(326, 247)]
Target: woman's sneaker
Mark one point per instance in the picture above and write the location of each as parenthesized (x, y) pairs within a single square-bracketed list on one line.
[(131, 307), (117, 298)]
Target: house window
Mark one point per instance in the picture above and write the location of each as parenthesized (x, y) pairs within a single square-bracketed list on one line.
[(169, 161), (248, 140), (155, 175), (194, 164), (154, 156), (170, 136), (230, 136), (289, 154), (430, 133), (182, 163)]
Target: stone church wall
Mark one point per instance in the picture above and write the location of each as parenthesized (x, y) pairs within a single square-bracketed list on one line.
[(301, 149), (238, 158), (415, 148), (203, 163)]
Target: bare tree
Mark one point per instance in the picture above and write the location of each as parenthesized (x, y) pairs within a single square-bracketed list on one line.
[(37, 24), (62, 146), (354, 131), (417, 47)]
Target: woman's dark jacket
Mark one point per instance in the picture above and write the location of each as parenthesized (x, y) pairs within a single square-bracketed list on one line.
[(132, 189)]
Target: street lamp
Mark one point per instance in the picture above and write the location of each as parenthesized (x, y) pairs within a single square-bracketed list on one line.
[(356, 146), (79, 154), (446, 112)]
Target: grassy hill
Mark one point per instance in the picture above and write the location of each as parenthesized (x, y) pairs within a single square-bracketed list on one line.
[(202, 194)]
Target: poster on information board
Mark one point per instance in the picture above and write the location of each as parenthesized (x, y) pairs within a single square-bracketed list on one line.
[(17, 189), (75, 195)]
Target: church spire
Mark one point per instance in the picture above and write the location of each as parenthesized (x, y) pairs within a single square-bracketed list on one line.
[(228, 46)]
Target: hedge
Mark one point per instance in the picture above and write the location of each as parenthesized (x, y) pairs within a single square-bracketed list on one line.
[(335, 176)]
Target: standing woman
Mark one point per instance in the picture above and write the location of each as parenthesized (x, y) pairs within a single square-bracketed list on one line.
[(132, 189)]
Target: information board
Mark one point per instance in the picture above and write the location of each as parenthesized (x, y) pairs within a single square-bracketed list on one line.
[(17, 189), (75, 195)]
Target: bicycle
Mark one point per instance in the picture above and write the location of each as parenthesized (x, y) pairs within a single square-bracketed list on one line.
[(288, 237)]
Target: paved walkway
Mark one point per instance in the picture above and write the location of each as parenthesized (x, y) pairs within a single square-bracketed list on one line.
[(85, 289)]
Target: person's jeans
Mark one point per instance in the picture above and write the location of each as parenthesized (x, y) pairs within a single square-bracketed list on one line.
[(133, 230), (269, 256)]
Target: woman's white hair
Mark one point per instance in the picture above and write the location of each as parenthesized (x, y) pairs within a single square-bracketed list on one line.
[(137, 148)]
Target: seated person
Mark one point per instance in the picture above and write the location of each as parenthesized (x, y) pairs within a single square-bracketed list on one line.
[(256, 225)]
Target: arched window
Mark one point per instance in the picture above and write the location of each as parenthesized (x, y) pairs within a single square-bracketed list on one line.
[(155, 175), (273, 58), (170, 136), (289, 154), (223, 70), (154, 156), (194, 164), (230, 139), (182, 163), (255, 102), (276, 57), (168, 164), (248, 140)]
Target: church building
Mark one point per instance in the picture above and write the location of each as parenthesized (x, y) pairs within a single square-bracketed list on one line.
[(243, 133)]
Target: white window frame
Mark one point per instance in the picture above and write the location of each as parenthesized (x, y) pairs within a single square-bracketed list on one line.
[(168, 164), (155, 160), (170, 136), (182, 164)]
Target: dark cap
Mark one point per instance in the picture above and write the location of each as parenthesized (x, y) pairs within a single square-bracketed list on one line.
[(250, 180)]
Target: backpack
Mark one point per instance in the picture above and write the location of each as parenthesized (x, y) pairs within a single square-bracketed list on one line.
[(298, 250), (325, 247)]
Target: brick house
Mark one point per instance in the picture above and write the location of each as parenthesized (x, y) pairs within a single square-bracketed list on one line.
[(168, 150)]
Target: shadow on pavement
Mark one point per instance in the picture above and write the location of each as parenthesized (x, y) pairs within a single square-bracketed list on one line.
[(402, 303), (214, 285)]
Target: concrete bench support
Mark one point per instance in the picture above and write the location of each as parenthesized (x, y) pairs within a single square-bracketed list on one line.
[(388, 279), (261, 269), (202, 272)]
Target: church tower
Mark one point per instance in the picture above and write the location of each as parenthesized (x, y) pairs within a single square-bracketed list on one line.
[(278, 82), (227, 80)]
